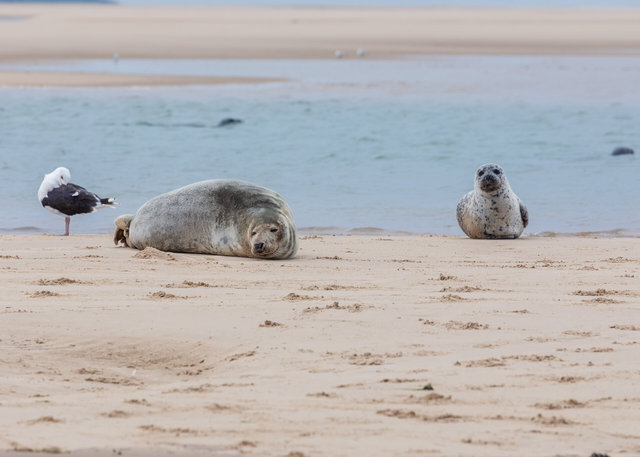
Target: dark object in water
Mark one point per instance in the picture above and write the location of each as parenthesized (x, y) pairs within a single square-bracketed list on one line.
[(597, 454), (195, 125), (621, 151), (229, 121)]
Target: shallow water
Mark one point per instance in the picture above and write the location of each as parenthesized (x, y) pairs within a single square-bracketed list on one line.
[(350, 144), (399, 3)]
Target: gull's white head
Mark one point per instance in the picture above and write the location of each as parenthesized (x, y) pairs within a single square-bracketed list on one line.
[(58, 177)]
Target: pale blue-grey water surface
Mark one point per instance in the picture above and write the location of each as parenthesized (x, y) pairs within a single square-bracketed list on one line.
[(400, 3), (355, 143)]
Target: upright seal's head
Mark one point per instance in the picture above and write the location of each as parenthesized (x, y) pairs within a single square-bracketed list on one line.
[(272, 236), (490, 178)]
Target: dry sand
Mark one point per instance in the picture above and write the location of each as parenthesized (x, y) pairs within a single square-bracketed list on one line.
[(99, 31), (361, 346)]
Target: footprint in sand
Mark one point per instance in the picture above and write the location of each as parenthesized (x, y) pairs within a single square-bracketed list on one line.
[(43, 293)]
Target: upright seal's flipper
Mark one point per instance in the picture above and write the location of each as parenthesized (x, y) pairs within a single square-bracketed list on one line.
[(122, 230), (524, 214)]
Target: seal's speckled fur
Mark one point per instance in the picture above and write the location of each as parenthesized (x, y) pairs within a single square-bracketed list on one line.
[(219, 216), (491, 209)]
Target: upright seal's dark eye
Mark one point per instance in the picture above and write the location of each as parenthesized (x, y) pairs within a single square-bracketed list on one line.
[(496, 171), (274, 230), (481, 172)]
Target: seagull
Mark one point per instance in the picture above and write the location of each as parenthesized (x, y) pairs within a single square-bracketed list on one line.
[(339, 54), (66, 199)]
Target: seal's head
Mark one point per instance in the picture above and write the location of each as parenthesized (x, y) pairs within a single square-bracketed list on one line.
[(490, 178), (272, 238)]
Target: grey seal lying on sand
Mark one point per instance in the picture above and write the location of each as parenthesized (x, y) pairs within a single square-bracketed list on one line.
[(492, 209), (223, 217)]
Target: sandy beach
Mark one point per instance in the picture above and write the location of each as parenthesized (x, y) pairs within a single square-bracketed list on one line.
[(43, 32), (374, 346), (361, 345)]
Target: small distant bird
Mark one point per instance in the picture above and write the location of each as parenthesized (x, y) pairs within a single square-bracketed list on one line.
[(61, 197), (116, 57), (339, 54), (361, 52)]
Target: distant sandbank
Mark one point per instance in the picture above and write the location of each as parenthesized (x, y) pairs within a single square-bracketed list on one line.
[(99, 31), (64, 79)]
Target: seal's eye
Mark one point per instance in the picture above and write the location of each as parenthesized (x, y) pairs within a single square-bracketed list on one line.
[(253, 233), (480, 173), (274, 230), (497, 172)]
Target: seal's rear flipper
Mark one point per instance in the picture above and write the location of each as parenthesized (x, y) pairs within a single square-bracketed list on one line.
[(122, 230)]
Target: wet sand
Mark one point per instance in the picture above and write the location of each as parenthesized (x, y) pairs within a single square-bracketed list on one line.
[(361, 345), (61, 79)]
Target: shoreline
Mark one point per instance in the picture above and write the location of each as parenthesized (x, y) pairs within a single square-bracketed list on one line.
[(161, 32), (371, 232), (393, 233), (360, 345)]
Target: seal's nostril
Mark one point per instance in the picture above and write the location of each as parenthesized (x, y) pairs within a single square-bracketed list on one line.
[(258, 246)]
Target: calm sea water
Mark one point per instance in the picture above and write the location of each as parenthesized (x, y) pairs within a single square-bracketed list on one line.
[(349, 143), (367, 3), (397, 3)]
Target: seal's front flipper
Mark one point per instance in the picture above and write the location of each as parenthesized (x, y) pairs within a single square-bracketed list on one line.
[(524, 214), (122, 230)]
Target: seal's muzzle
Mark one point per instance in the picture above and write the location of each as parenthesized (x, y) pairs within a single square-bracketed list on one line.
[(489, 183)]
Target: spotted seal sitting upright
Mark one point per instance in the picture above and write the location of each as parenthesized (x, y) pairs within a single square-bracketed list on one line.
[(223, 217), (491, 209)]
